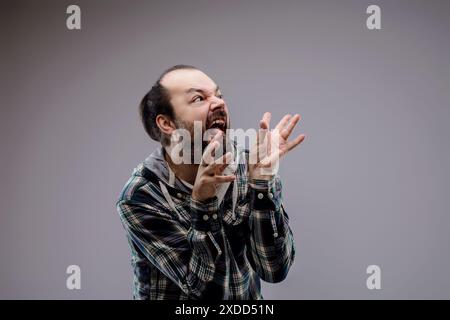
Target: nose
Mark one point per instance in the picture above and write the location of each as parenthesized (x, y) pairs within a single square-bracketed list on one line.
[(217, 103)]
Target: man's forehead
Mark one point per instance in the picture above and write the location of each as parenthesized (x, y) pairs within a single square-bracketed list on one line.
[(184, 81)]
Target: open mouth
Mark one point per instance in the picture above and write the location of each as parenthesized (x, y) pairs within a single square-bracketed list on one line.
[(219, 123)]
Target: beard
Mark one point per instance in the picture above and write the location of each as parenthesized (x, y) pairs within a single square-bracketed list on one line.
[(199, 141)]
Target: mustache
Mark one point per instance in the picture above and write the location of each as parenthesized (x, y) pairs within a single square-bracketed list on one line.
[(220, 114)]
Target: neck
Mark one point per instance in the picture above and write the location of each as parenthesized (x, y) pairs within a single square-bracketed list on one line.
[(186, 172)]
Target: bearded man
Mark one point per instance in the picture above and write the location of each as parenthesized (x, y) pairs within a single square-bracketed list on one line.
[(212, 225)]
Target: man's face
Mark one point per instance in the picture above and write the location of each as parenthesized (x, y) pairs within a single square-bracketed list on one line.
[(195, 97)]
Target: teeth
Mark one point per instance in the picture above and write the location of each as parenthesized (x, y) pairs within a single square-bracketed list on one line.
[(219, 122)]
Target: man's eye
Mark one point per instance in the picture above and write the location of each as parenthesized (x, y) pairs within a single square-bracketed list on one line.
[(197, 99), (220, 96)]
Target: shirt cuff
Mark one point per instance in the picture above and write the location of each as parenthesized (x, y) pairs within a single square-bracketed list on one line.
[(205, 215), (265, 195), (262, 184)]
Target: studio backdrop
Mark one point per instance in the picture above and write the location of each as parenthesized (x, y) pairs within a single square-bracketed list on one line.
[(367, 192)]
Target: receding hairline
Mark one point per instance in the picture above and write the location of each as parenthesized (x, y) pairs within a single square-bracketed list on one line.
[(190, 89), (186, 68)]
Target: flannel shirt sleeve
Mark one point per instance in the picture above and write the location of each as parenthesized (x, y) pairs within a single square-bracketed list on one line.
[(191, 257), (270, 244)]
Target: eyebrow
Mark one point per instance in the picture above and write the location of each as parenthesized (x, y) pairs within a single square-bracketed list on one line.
[(200, 90)]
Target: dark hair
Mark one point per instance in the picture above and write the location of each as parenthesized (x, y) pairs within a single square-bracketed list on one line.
[(156, 102)]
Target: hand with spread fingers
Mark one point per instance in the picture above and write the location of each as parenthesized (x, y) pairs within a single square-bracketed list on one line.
[(210, 171), (272, 145)]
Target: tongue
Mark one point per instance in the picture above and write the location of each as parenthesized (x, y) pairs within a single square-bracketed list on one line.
[(213, 131)]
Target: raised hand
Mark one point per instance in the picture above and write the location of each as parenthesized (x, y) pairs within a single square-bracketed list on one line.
[(272, 145), (209, 174)]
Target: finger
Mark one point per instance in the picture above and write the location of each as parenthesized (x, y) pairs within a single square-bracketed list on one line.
[(262, 134), (264, 125), (224, 160), (220, 164), (288, 130), (211, 146), (264, 147), (216, 137), (265, 121), (292, 144), (208, 157), (274, 157), (283, 122), (224, 179)]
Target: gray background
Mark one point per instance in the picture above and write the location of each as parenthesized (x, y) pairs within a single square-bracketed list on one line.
[(369, 185)]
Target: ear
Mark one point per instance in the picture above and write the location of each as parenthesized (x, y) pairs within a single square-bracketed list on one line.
[(165, 124)]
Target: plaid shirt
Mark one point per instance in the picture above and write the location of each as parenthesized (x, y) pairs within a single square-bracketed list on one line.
[(184, 249)]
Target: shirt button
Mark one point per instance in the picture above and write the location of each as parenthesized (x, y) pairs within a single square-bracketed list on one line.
[(260, 195), (275, 234), (179, 195), (205, 217), (270, 195), (214, 216)]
